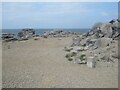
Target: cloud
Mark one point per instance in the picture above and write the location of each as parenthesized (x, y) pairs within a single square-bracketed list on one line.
[(54, 14)]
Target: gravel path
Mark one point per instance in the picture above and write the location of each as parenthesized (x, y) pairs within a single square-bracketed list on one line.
[(42, 64)]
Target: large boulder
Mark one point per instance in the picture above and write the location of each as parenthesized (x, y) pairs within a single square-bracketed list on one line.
[(103, 42), (109, 30), (25, 34), (8, 37)]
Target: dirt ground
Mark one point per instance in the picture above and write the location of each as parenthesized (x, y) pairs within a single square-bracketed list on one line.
[(42, 64)]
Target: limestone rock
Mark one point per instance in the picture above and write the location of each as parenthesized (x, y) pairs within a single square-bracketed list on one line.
[(103, 42), (91, 62), (25, 34), (78, 48), (68, 49), (76, 41)]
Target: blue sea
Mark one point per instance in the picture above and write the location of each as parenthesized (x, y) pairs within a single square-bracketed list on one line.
[(41, 31)]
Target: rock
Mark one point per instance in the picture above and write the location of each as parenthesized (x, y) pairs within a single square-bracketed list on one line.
[(92, 41), (106, 58), (85, 35), (78, 48), (96, 27), (98, 43), (8, 37), (86, 48), (68, 49), (102, 42), (90, 45), (25, 34), (91, 62), (76, 41), (74, 52), (36, 38), (115, 55), (95, 47), (109, 30), (116, 34), (112, 21), (91, 33), (106, 29), (58, 33), (45, 35), (59, 38)]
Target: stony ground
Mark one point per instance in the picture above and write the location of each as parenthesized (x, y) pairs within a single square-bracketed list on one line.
[(42, 64)]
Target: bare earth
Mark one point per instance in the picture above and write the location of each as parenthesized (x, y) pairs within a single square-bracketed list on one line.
[(42, 64)]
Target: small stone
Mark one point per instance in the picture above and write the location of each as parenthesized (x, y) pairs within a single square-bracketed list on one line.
[(59, 38), (91, 62)]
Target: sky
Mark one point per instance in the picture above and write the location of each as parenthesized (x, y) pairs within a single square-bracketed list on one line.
[(18, 15)]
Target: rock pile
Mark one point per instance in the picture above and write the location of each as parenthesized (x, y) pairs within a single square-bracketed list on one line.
[(109, 30), (58, 33), (100, 42), (25, 34), (8, 36)]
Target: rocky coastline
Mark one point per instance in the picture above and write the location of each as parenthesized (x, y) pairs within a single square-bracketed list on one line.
[(101, 43)]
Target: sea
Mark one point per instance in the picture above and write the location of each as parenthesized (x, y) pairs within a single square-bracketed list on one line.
[(41, 31)]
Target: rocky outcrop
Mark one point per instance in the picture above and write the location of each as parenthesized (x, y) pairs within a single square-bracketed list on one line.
[(58, 33), (25, 34), (99, 43), (8, 36), (109, 30)]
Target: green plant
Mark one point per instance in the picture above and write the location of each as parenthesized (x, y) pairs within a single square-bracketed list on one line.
[(82, 57)]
